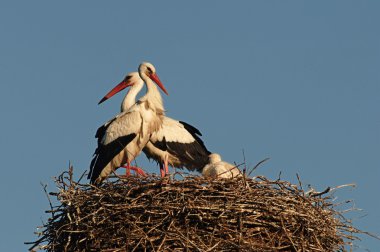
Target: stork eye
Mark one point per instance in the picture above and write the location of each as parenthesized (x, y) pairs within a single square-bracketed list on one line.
[(127, 78), (150, 70)]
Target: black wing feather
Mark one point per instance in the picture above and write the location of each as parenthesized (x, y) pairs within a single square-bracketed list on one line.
[(105, 153), (195, 133), (190, 128), (193, 155)]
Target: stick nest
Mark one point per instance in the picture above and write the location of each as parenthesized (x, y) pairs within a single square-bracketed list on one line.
[(192, 214)]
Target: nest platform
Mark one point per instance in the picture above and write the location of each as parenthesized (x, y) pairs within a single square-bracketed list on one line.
[(191, 213)]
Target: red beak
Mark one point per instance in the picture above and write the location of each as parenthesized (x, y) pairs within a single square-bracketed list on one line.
[(115, 90), (155, 78)]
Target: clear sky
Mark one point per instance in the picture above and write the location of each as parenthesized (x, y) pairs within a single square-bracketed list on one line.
[(296, 81)]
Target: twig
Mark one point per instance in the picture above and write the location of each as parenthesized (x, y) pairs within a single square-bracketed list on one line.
[(193, 213), (257, 165)]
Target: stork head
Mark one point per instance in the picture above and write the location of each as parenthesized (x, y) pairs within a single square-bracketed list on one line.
[(146, 69), (129, 80), (214, 158)]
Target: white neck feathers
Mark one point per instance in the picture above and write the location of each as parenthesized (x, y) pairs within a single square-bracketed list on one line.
[(130, 98), (152, 95)]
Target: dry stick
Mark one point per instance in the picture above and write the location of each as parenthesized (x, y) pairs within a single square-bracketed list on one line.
[(229, 170), (257, 165), (136, 205), (320, 193), (82, 176), (245, 166), (299, 181), (48, 197), (279, 176)]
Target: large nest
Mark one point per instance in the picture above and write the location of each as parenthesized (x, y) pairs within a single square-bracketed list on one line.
[(192, 214)]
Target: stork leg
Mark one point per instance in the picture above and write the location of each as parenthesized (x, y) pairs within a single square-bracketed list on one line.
[(128, 170), (162, 170), (137, 170), (166, 165)]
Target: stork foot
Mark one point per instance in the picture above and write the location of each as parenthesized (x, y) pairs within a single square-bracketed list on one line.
[(164, 168), (162, 171), (137, 170)]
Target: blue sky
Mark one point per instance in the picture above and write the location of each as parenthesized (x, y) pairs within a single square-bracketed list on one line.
[(296, 81)]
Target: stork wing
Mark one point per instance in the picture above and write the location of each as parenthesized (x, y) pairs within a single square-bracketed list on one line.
[(183, 141), (105, 153), (113, 137), (124, 124)]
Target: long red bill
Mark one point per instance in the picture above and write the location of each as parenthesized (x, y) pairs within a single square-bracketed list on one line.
[(115, 90), (155, 78)]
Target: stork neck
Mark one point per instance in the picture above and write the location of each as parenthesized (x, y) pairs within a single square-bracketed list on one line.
[(153, 94), (130, 97)]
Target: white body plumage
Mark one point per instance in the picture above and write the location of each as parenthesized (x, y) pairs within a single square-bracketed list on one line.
[(175, 143), (216, 168), (122, 139)]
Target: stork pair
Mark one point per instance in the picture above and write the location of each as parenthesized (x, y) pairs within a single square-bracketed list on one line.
[(143, 126)]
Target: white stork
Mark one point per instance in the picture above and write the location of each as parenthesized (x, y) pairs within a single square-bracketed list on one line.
[(176, 143), (216, 168), (121, 139)]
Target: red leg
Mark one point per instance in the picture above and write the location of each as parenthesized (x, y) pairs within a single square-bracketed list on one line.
[(166, 166), (162, 171), (127, 170), (137, 170)]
